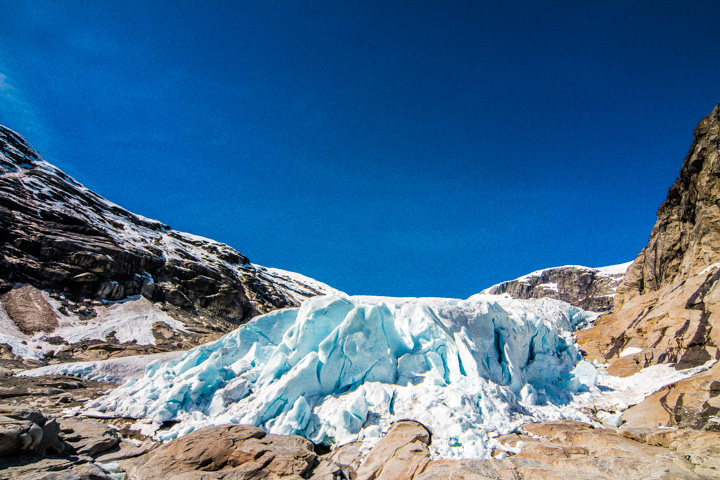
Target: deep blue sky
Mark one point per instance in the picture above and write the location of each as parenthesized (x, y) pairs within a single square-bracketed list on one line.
[(397, 148)]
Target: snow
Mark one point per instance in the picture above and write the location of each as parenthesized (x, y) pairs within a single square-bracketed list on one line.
[(131, 321), (630, 351), (114, 370), (548, 286), (341, 368), (619, 393), (619, 269)]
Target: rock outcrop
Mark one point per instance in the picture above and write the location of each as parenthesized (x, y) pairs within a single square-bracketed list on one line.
[(57, 236), (667, 308), (591, 289), (552, 450), (686, 238), (229, 451)]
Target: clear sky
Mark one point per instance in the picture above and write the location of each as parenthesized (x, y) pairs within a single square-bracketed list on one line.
[(417, 148)]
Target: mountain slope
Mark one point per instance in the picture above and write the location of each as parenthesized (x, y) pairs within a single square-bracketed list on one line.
[(58, 236), (591, 289), (667, 307), (686, 237)]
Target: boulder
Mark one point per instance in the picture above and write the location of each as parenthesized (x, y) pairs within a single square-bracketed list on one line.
[(28, 432), (568, 450), (88, 437), (227, 452)]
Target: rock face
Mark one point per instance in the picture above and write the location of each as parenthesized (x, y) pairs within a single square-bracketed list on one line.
[(591, 289), (58, 236), (686, 238), (667, 308)]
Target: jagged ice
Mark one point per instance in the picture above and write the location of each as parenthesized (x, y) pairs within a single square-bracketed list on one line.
[(341, 368)]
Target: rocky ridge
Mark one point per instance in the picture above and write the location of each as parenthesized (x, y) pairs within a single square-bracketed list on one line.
[(667, 309), (67, 253), (591, 289)]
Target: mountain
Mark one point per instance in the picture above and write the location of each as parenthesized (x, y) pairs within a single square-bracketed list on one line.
[(667, 308), (591, 289), (421, 388), (71, 255)]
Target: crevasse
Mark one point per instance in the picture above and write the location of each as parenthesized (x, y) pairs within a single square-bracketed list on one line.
[(342, 368)]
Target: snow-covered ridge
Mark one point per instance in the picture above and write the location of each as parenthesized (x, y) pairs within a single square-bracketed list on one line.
[(589, 288), (611, 270), (343, 368)]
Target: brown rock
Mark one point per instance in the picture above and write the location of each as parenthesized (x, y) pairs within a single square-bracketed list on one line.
[(228, 452), (686, 237), (19, 436), (400, 454), (88, 437), (668, 304), (29, 310), (572, 450), (690, 403)]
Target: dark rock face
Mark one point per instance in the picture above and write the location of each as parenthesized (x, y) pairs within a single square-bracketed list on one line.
[(591, 289), (686, 237), (59, 236)]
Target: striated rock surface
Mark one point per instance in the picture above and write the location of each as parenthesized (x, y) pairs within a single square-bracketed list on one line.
[(591, 289), (225, 452), (400, 454), (58, 236)]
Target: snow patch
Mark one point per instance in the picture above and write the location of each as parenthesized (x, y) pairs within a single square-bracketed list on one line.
[(114, 370), (619, 393), (129, 321), (630, 351)]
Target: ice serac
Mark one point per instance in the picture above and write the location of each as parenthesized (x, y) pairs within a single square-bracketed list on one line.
[(342, 368), (591, 289), (58, 237)]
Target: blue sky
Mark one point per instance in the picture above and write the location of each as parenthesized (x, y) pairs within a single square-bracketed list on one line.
[(395, 148)]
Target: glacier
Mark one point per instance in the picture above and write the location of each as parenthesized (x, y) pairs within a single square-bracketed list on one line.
[(343, 368)]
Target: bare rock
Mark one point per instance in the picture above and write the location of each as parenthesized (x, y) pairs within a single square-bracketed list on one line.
[(591, 289), (686, 238), (19, 436), (52, 469), (667, 307), (29, 310), (125, 450), (690, 403), (58, 236), (400, 454), (340, 464), (567, 450), (85, 471), (227, 452)]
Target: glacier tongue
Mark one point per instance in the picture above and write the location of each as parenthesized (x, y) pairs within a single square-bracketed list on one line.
[(341, 368)]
